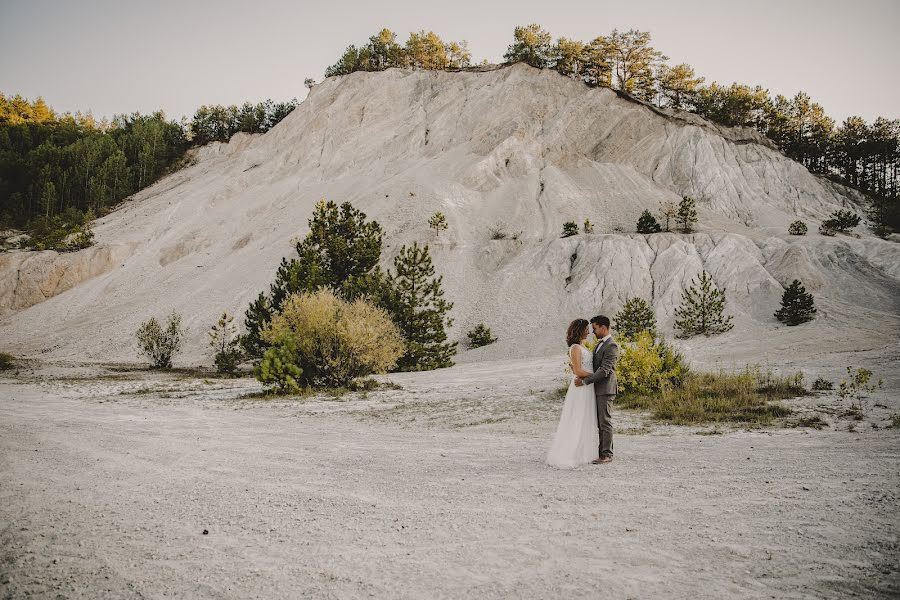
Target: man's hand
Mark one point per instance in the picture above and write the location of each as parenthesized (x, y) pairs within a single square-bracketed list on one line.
[(578, 382)]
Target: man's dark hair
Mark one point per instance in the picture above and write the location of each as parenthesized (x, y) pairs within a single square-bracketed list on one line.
[(600, 320)]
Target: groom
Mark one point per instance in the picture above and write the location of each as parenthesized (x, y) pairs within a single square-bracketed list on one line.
[(606, 353)]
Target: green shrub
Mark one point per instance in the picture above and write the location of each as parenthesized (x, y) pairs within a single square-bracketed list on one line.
[(569, 229), (160, 344), (588, 226), (636, 316), (797, 228), (341, 251), (278, 369), (64, 232), (480, 335), (858, 386), (822, 385), (328, 341), (647, 365), (7, 361), (826, 229)]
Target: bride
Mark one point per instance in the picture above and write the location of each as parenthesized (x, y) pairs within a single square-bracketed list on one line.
[(575, 442)]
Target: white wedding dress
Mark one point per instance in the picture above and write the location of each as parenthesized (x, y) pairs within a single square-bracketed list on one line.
[(577, 436)]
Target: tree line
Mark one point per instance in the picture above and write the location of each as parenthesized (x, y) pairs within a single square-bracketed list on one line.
[(56, 168), (862, 155), (422, 50)]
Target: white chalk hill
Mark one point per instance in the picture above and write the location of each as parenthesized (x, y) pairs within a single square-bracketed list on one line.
[(513, 148)]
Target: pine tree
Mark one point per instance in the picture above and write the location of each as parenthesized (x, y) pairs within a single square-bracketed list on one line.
[(416, 304), (702, 309), (588, 226), (636, 316), (842, 220), (796, 305), (646, 223), (569, 229), (224, 342), (532, 44), (678, 85), (687, 214), (480, 335), (438, 222), (258, 315)]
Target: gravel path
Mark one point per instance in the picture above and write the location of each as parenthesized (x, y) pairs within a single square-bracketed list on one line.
[(108, 485)]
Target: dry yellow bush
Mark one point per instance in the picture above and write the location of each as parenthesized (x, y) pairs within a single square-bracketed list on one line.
[(334, 341)]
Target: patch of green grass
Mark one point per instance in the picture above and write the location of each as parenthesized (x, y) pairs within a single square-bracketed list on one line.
[(854, 412), (634, 431), (557, 393), (810, 421), (363, 386), (7, 361), (748, 397), (713, 431)]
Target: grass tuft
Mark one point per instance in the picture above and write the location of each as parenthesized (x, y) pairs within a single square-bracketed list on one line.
[(748, 397)]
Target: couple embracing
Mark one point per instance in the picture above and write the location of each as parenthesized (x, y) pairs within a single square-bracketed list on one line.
[(586, 411)]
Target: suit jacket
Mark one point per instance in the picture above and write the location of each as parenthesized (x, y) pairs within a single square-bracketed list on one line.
[(604, 377)]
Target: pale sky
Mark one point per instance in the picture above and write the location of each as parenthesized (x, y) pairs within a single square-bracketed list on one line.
[(121, 56)]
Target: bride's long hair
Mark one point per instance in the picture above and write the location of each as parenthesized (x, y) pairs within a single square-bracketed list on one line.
[(576, 332)]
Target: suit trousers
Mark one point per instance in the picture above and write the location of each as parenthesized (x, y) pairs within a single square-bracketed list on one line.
[(604, 422)]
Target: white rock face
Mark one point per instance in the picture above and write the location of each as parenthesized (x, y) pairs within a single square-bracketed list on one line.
[(27, 278), (514, 147)]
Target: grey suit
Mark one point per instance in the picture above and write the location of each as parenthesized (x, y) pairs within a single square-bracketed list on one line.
[(605, 389)]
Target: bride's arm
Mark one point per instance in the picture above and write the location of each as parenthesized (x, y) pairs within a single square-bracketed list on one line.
[(575, 361)]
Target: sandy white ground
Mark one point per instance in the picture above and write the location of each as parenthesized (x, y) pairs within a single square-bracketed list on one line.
[(434, 490)]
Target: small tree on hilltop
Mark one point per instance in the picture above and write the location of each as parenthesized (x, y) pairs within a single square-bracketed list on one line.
[(687, 214), (532, 44), (569, 229), (636, 316), (416, 303), (797, 228), (225, 343), (479, 336), (702, 309), (158, 343), (667, 211), (646, 223), (796, 305), (588, 226), (438, 222)]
